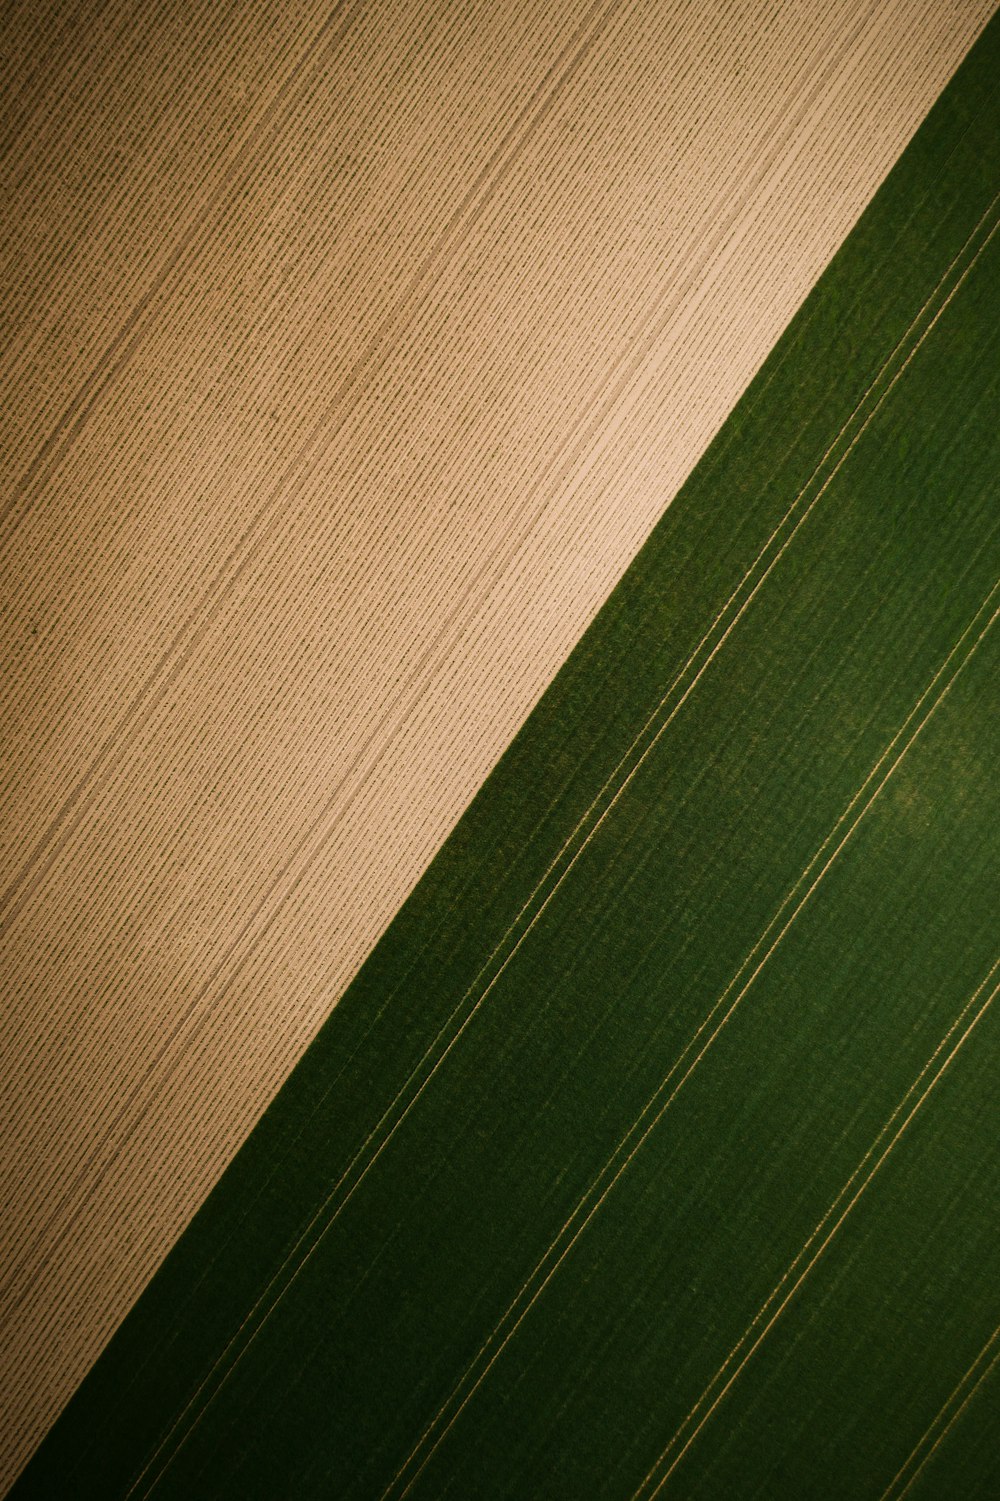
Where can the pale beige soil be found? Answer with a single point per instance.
(350, 353)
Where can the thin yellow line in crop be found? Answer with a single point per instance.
(950, 1423)
(373, 1135)
(677, 1458)
(656, 1102)
(818, 1231)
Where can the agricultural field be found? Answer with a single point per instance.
(653, 1150)
(354, 351)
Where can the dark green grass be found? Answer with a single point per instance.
(301, 1337)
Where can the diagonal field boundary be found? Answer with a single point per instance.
(88, 1170)
(383, 1132)
(656, 1107)
(659, 1103)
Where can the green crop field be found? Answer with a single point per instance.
(655, 1150)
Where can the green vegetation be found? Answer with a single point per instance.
(690, 1014)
